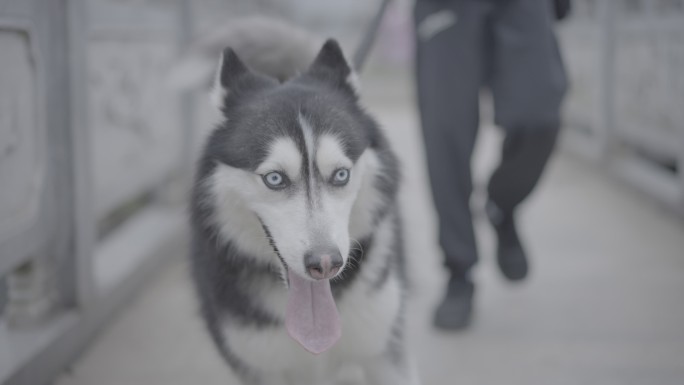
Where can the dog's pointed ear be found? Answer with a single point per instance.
(233, 78)
(332, 67)
(231, 68)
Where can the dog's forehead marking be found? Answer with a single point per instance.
(282, 155)
(309, 154)
(330, 155)
(308, 135)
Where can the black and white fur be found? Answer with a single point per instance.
(246, 235)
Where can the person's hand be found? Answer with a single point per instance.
(561, 9)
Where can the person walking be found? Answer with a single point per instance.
(509, 47)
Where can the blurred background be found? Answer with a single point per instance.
(96, 154)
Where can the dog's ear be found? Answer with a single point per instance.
(331, 66)
(233, 78)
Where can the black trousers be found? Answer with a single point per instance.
(509, 47)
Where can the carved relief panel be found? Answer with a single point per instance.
(22, 135)
(134, 116)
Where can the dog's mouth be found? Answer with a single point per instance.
(311, 316)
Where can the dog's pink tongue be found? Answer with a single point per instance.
(311, 317)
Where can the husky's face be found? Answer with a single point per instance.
(291, 160)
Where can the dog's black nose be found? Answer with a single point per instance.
(323, 264)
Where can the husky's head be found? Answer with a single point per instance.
(292, 161)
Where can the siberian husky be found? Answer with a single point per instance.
(297, 248)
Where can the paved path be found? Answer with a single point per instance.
(604, 305)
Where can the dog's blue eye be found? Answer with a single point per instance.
(341, 177)
(275, 180)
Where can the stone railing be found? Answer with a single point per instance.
(626, 60)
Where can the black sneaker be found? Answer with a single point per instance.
(510, 253)
(454, 312)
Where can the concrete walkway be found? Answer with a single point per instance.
(604, 304)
